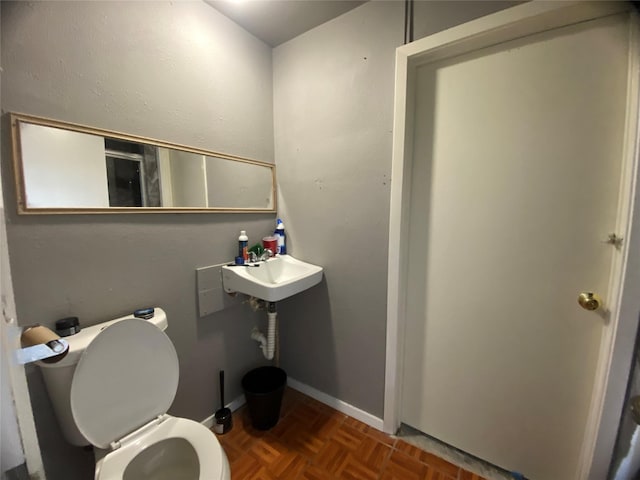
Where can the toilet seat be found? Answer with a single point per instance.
(212, 459)
(124, 383)
(126, 377)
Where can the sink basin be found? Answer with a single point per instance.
(271, 280)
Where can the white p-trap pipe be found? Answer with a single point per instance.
(268, 343)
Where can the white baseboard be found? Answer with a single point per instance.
(332, 402)
(233, 406)
(337, 404)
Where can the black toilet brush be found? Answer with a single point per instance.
(223, 421)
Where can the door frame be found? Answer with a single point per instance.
(23, 443)
(616, 349)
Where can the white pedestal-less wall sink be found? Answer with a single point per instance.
(272, 280)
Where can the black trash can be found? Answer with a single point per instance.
(263, 387)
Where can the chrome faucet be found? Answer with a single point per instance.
(254, 258)
(267, 254)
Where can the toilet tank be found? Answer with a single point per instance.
(58, 376)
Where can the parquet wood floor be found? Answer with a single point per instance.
(315, 442)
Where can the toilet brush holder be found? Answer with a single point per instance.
(223, 422)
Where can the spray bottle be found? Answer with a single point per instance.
(281, 236)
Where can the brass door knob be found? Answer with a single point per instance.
(590, 301)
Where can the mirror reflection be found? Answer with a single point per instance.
(74, 169)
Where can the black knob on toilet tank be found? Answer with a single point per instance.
(144, 313)
(67, 326)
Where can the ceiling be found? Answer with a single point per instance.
(276, 21)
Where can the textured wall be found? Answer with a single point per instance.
(333, 99)
(177, 71)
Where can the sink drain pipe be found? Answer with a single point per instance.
(268, 343)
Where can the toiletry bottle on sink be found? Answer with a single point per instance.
(282, 238)
(243, 242)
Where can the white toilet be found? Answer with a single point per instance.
(113, 389)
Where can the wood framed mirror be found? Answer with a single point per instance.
(66, 168)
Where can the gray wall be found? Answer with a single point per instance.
(333, 99)
(177, 71)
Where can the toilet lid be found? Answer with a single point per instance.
(127, 376)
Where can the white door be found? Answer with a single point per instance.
(514, 187)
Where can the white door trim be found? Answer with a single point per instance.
(616, 351)
(17, 390)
